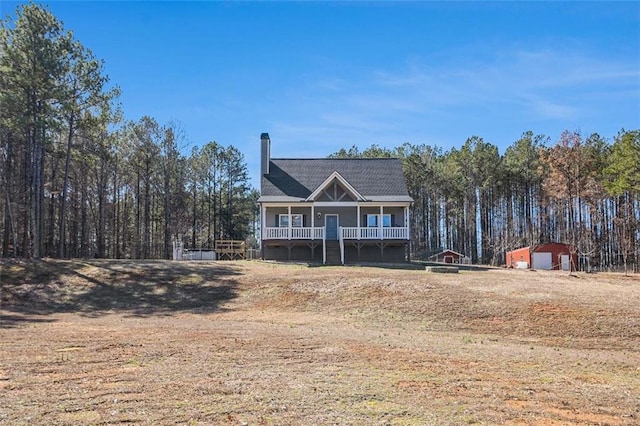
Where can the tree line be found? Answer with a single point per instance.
(78, 181)
(584, 192)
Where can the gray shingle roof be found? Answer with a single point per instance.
(377, 179)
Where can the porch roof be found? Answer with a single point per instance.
(295, 200)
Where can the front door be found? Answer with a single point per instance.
(331, 226)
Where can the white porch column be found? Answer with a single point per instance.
(406, 220)
(263, 223)
(289, 223)
(380, 222)
(313, 219)
(358, 221)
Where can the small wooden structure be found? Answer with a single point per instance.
(231, 249)
(450, 256)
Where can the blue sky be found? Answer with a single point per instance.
(320, 76)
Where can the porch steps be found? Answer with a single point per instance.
(333, 252)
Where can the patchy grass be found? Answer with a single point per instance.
(152, 342)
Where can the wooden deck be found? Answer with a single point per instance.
(231, 250)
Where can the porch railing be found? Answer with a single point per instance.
(348, 233)
(395, 233)
(355, 233)
(306, 233)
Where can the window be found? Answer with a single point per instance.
(296, 221)
(372, 220)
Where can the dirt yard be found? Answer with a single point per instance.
(120, 342)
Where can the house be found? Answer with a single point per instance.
(333, 210)
(450, 256)
(543, 256)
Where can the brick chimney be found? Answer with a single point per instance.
(265, 158)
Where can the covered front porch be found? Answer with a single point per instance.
(336, 232)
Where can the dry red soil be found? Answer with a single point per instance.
(122, 342)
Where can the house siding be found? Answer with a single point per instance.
(348, 216)
(274, 212)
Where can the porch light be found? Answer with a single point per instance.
(318, 215)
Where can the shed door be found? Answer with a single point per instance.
(564, 261)
(541, 261)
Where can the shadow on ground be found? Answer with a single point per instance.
(96, 287)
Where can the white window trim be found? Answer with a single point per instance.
(385, 217)
(297, 217)
(297, 220)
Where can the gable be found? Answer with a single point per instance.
(334, 192)
(335, 188)
(447, 252)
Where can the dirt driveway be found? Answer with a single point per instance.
(122, 342)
